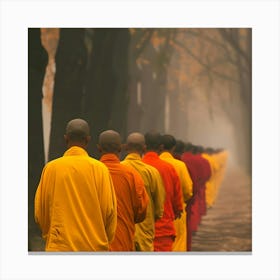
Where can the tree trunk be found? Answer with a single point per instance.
(242, 120)
(243, 139)
(68, 87)
(240, 116)
(135, 108)
(245, 80)
(106, 99)
(37, 62)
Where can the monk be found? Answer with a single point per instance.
(132, 198)
(220, 156)
(145, 231)
(75, 203)
(205, 175)
(168, 147)
(210, 190)
(173, 206)
(199, 173)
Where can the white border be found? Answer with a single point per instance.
(17, 16)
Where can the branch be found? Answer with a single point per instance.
(227, 35)
(217, 43)
(196, 58)
(148, 33)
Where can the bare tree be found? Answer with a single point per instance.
(224, 56)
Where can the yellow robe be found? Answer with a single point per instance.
(210, 191)
(218, 162)
(180, 243)
(145, 231)
(75, 203)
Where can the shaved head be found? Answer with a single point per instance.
(77, 131)
(168, 142)
(153, 140)
(135, 138)
(109, 141)
(135, 142)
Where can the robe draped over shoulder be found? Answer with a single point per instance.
(145, 231)
(75, 203)
(132, 201)
(180, 243)
(173, 200)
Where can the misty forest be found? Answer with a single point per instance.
(193, 83)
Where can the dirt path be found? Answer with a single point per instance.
(227, 226)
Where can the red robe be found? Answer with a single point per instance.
(200, 172)
(164, 227)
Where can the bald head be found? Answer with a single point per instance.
(153, 141)
(109, 142)
(135, 142)
(77, 132)
(168, 142)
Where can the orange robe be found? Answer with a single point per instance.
(132, 201)
(75, 203)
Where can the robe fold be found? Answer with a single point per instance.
(132, 201)
(145, 231)
(210, 191)
(173, 205)
(180, 243)
(75, 203)
(200, 173)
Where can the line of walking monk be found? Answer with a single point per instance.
(152, 200)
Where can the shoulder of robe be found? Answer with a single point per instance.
(97, 163)
(53, 163)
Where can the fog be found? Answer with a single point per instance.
(193, 83)
(195, 86)
(202, 128)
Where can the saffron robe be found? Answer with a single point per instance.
(132, 201)
(211, 191)
(180, 243)
(145, 231)
(75, 203)
(173, 205)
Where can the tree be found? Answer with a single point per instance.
(221, 60)
(69, 85)
(37, 62)
(150, 56)
(106, 98)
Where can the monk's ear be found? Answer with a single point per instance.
(144, 148)
(66, 138)
(120, 148)
(99, 148)
(124, 147)
(160, 148)
(88, 138)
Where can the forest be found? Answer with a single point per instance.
(194, 83)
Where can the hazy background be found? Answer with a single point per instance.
(194, 83)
